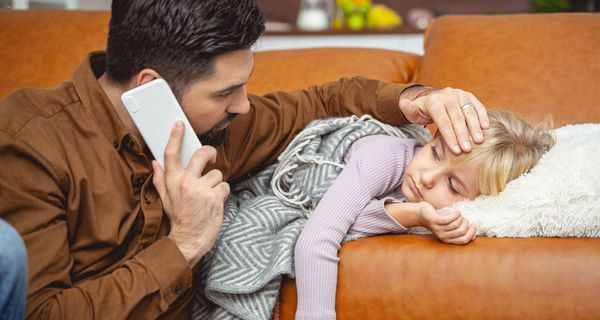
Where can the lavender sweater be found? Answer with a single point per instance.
(374, 169)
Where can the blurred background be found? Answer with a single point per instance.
(387, 24)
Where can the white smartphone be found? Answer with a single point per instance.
(154, 110)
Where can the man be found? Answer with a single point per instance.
(109, 233)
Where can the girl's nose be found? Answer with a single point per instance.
(429, 177)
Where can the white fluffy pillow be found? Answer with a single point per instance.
(559, 197)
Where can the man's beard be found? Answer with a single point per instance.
(215, 137)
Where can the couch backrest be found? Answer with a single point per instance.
(534, 64)
(531, 63)
(42, 48)
(288, 70)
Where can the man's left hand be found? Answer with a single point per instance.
(458, 114)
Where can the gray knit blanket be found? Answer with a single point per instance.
(241, 276)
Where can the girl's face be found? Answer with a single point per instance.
(433, 176)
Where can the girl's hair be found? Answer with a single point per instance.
(511, 148)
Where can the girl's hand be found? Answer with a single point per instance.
(449, 228)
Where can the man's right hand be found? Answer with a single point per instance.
(192, 201)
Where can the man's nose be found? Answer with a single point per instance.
(241, 105)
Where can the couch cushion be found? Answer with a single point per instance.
(532, 64)
(42, 48)
(285, 70)
(417, 277)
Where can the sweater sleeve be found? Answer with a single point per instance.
(374, 219)
(375, 167)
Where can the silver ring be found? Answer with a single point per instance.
(466, 106)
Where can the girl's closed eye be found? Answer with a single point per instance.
(435, 154)
(451, 187)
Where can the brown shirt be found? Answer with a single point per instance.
(77, 186)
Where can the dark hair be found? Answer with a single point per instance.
(177, 38)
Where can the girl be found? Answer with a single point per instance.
(390, 184)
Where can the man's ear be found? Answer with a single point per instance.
(145, 76)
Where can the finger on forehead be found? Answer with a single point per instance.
(481, 112)
(472, 120)
(446, 129)
(459, 125)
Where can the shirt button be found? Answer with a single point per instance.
(139, 182)
(178, 289)
(129, 142)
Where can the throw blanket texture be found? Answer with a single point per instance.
(241, 276)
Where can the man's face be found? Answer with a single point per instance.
(434, 176)
(212, 102)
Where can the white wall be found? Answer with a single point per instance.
(404, 42)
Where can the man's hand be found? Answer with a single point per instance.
(193, 202)
(451, 228)
(457, 114)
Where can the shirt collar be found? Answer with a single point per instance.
(94, 99)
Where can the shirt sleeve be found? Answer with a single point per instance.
(375, 167)
(254, 140)
(33, 202)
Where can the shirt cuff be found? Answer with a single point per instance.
(386, 216)
(388, 102)
(169, 267)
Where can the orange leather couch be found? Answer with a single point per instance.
(532, 64)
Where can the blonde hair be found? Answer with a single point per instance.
(511, 148)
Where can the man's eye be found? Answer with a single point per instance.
(224, 94)
(451, 186)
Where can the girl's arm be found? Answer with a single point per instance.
(449, 228)
(376, 166)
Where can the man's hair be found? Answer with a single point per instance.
(177, 38)
(511, 148)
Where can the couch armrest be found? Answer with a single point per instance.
(418, 277)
